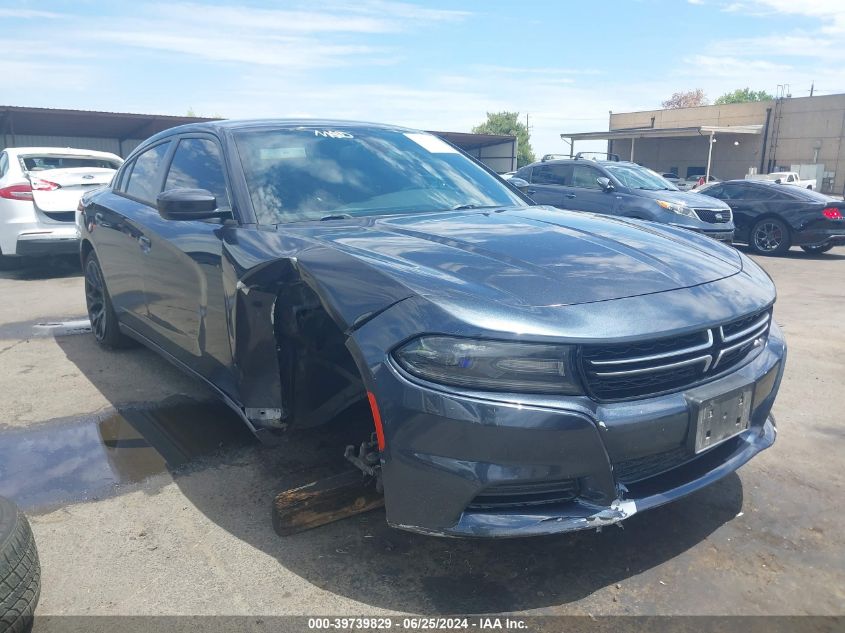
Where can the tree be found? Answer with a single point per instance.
(509, 123)
(688, 99)
(743, 95)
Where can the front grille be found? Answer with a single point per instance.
(61, 216)
(639, 468)
(714, 216)
(631, 370)
(521, 494)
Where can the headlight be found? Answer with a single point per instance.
(490, 365)
(680, 209)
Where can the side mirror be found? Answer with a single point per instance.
(778, 181)
(519, 183)
(187, 204)
(605, 184)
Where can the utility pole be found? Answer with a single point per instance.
(812, 87)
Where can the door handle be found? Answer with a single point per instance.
(530, 192)
(569, 195)
(145, 244)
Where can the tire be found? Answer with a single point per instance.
(770, 236)
(817, 250)
(104, 324)
(20, 573)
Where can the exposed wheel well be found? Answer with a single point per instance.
(319, 377)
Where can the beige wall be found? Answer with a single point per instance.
(805, 124)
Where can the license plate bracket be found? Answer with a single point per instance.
(720, 418)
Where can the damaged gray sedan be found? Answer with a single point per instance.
(529, 370)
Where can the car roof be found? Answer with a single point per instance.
(241, 124)
(753, 183)
(566, 161)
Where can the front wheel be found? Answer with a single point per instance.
(817, 250)
(103, 319)
(770, 236)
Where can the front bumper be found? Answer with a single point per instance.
(445, 449)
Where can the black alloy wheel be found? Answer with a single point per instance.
(103, 319)
(770, 236)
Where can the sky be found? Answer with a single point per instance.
(433, 65)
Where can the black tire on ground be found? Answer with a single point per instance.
(817, 250)
(20, 573)
(103, 319)
(770, 236)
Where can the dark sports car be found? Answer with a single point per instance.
(771, 217)
(529, 370)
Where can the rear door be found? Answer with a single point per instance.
(549, 182)
(183, 266)
(118, 232)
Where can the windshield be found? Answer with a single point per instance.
(635, 177)
(43, 162)
(313, 173)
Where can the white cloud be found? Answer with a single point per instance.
(29, 14)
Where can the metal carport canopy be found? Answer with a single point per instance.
(664, 132)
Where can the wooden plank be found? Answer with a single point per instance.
(324, 501)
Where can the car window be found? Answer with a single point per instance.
(524, 173)
(636, 177)
(714, 191)
(554, 174)
(584, 176)
(749, 192)
(311, 172)
(43, 162)
(4, 164)
(197, 165)
(145, 178)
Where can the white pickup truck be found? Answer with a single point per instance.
(785, 178)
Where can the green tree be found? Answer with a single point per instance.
(509, 123)
(743, 95)
(689, 99)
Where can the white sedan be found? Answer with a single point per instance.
(40, 188)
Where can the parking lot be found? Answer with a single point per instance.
(142, 489)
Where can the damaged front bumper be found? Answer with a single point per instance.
(584, 516)
(446, 452)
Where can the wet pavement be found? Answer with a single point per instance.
(98, 456)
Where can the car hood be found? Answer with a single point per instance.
(529, 256)
(689, 198)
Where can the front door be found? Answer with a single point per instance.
(184, 272)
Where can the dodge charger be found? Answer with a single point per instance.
(528, 370)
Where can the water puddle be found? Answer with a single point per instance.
(88, 458)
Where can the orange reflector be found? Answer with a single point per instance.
(376, 420)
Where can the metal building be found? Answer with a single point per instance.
(120, 133)
(803, 134)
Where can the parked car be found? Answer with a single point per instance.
(786, 178)
(771, 218)
(528, 370)
(40, 189)
(623, 189)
